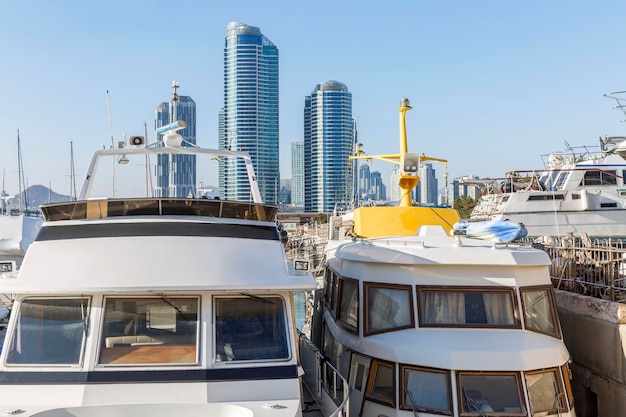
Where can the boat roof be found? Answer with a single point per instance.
(170, 253)
(432, 246)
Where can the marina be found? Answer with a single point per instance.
(102, 324)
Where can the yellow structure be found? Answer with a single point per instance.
(405, 219)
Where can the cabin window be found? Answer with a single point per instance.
(540, 310)
(425, 390)
(594, 177)
(490, 392)
(158, 330)
(250, 329)
(388, 307)
(331, 290)
(467, 307)
(49, 331)
(328, 283)
(381, 384)
(545, 389)
(348, 309)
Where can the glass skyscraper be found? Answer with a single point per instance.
(249, 120)
(328, 143)
(297, 173)
(176, 174)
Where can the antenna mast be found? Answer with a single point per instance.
(112, 144)
(72, 173)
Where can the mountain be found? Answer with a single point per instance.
(37, 195)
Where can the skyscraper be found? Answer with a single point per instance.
(176, 174)
(328, 143)
(249, 120)
(426, 189)
(297, 173)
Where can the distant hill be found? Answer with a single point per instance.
(37, 195)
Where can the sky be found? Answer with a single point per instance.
(494, 84)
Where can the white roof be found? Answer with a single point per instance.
(154, 263)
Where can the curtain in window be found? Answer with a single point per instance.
(443, 307)
(388, 308)
(498, 308)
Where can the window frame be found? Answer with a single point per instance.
(421, 289)
(285, 324)
(101, 339)
(342, 282)
(371, 379)
(10, 339)
(519, 389)
(561, 395)
(403, 389)
(553, 311)
(366, 310)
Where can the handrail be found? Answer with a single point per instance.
(326, 378)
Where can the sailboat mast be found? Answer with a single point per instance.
(19, 175)
(72, 173)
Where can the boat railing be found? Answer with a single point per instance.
(592, 267)
(323, 381)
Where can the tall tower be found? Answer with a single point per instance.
(249, 119)
(426, 189)
(328, 144)
(176, 174)
(297, 173)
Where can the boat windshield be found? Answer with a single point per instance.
(250, 328)
(488, 392)
(426, 389)
(48, 332)
(155, 330)
(545, 389)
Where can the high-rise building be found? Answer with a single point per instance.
(426, 190)
(364, 181)
(328, 144)
(249, 120)
(297, 173)
(377, 188)
(395, 192)
(176, 174)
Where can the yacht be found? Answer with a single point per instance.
(580, 192)
(422, 320)
(154, 305)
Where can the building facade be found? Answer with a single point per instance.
(426, 190)
(328, 144)
(297, 173)
(176, 174)
(249, 119)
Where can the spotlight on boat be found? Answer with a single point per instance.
(7, 266)
(300, 265)
(410, 162)
(122, 160)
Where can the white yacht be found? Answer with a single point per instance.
(428, 322)
(154, 306)
(579, 192)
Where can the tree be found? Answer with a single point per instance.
(464, 205)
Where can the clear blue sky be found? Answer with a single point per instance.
(494, 84)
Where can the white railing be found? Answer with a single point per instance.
(327, 386)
